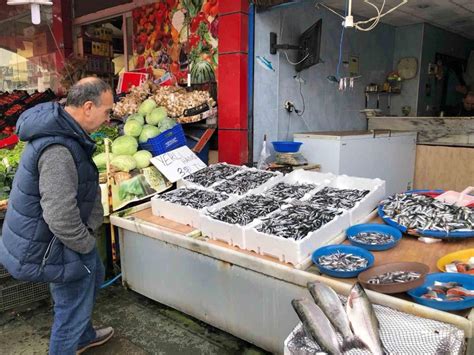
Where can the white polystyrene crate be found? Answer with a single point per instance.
(232, 234)
(305, 177)
(365, 206)
(290, 250)
(176, 212)
(185, 183)
(259, 189)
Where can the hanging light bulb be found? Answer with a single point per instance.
(35, 8)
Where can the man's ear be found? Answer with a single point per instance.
(87, 107)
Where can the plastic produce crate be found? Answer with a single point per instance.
(19, 293)
(168, 140)
(3, 273)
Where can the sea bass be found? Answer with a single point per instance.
(363, 320)
(316, 325)
(326, 298)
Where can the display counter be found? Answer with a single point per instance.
(241, 292)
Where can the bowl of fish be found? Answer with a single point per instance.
(374, 236)
(344, 261)
(461, 261)
(394, 277)
(445, 291)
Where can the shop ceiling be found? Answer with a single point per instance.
(452, 15)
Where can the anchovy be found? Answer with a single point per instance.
(285, 191)
(246, 210)
(394, 277)
(343, 261)
(338, 198)
(244, 181)
(331, 305)
(364, 322)
(194, 198)
(421, 212)
(373, 238)
(296, 221)
(316, 325)
(212, 174)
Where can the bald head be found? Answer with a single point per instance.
(90, 103)
(87, 89)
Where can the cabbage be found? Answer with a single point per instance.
(157, 115)
(142, 158)
(100, 160)
(146, 107)
(124, 163)
(148, 132)
(132, 128)
(137, 117)
(166, 124)
(124, 145)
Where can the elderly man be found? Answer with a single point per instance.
(54, 209)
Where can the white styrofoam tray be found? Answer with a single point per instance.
(232, 234)
(259, 189)
(304, 177)
(185, 183)
(176, 212)
(363, 207)
(290, 250)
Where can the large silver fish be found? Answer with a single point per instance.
(316, 325)
(364, 322)
(326, 298)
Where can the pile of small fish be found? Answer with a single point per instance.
(338, 198)
(296, 221)
(244, 181)
(194, 198)
(246, 210)
(343, 262)
(462, 267)
(285, 191)
(324, 317)
(422, 212)
(373, 238)
(447, 291)
(212, 174)
(394, 277)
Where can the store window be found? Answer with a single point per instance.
(28, 53)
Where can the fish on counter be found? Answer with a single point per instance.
(212, 174)
(364, 322)
(340, 261)
(394, 277)
(194, 198)
(316, 325)
(284, 190)
(244, 181)
(328, 300)
(338, 198)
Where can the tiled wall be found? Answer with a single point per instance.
(326, 107)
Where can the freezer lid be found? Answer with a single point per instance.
(351, 135)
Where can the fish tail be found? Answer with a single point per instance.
(353, 342)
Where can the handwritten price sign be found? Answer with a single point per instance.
(178, 163)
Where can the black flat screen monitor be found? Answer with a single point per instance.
(310, 43)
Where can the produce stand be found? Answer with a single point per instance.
(243, 293)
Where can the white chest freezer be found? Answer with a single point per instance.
(389, 156)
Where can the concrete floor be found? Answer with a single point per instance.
(142, 326)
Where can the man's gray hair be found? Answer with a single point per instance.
(87, 89)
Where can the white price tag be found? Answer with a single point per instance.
(178, 163)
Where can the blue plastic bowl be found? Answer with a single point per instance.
(286, 147)
(380, 228)
(331, 249)
(467, 281)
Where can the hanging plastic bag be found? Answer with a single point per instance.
(264, 155)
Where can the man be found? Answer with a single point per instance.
(467, 108)
(54, 209)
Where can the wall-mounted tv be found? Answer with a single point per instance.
(309, 47)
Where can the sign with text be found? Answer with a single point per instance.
(178, 163)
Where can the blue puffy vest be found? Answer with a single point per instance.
(28, 249)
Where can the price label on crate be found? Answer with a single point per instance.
(178, 163)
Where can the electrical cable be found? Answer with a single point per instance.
(301, 113)
(301, 61)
